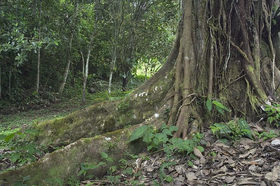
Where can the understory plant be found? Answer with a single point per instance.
(20, 150)
(232, 130)
(163, 139)
(217, 105)
(273, 114)
(267, 135)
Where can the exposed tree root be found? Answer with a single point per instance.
(59, 166)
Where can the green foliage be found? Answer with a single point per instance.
(22, 149)
(99, 25)
(114, 179)
(85, 167)
(233, 130)
(163, 139)
(267, 135)
(273, 113)
(218, 105)
(73, 181)
(163, 177)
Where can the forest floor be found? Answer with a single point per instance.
(241, 162)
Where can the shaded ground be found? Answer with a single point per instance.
(244, 162)
(12, 119)
(13, 116)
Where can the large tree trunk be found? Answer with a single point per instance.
(221, 52)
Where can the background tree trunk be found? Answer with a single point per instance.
(112, 67)
(117, 16)
(86, 75)
(10, 82)
(39, 50)
(0, 81)
(66, 72)
(38, 69)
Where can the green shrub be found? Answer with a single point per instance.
(233, 130)
(22, 150)
(163, 139)
(273, 113)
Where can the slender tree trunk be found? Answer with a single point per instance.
(10, 83)
(38, 70)
(83, 63)
(66, 72)
(86, 75)
(117, 21)
(0, 81)
(113, 63)
(39, 52)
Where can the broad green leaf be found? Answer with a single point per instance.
(220, 110)
(9, 137)
(148, 136)
(209, 105)
(138, 133)
(169, 179)
(104, 155)
(220, 105)
(200, 148)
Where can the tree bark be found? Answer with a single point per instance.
(117, 17)
(0, 81)
(83, 63)
(112, 67)
(86, 75)
(38, 70)
(10, 82)
(66, 72)
(39, 51)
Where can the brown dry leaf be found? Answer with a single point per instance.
(254, 162)
(197, 153)
(247, 181)
(222, 145)
(246, 141)
(256, 174)
(274, 174)
(252, 151)
(271, 177)
(180, 169)
(229, 179)
(257, 127)
(191, 176)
